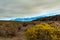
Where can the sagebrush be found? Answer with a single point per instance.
(43, 31)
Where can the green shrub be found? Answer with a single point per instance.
(43, 31)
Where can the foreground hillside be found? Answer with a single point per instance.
(11, 30)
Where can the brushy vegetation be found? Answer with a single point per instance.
(43, 31)
(8, 30)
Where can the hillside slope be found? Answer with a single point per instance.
(54, 21)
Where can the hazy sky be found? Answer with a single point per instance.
(27, 8)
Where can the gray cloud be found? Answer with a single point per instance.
(27, 8)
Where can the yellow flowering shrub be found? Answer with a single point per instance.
(43, 31)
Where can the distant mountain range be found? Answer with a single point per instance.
(50, 18)
(43, 15)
